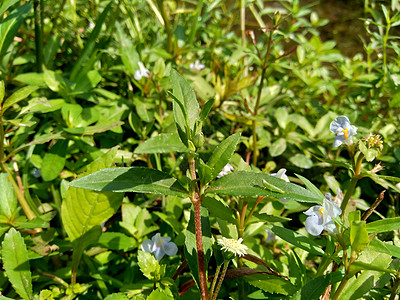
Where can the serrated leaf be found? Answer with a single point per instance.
(149, 266)
(134, 179)
(16, 263)
(162, 143)
(190, 243)
(184, 92)
(54, 160)
(223, 153)
(297, 240)
(218, 209)
(90, 130)
(8, 199)
(19, 95)
(271, 284)
(251, 184)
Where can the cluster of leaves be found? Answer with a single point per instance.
(261, 98)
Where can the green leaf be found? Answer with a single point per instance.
(206, 109)
(219, 209)
(384, 247)
(359, 238)
(277, 147)
(186, 96)
(251, 184)
(116, 296)
(19, 95)
(83, 211)
(137, 221)
(223, 153)
(190, 243)
(314, 288)
(310, 186)
(384, 225)
(116, 241)
(16, 263)
(54, 160)
(301, 161)
(297, 240)
(5, 4)
(158, 295)
(127, 51)
(162, 143)
(149, 266)
(8, 199)
(10, 25)
(134, 179)
(2, 91)
(271, 284)
(270, 218)
(90, 130)
(90, 44)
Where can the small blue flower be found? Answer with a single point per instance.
(320, 217)
(142, 72)
(197, 65)
(344, 131)
(159, 246)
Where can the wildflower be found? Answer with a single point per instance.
(142, 72)
(271, 237)
(234, 246)
(320, 217)
(197, 65)
(159, 246)
(227, 169)
(281, 175)
(344, 131)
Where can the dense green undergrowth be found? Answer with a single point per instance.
(197, 149)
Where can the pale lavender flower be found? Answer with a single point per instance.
(159, 246)
(320, 217)
(197, 65)
(141, 72)
(344, 131)
(226, 170)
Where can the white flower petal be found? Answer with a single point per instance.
(312, 225)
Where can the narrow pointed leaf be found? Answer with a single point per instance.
(162, 143)
(8, 199)
(251, 184)
(184, 92)
(16, 263)
(19, 95)
(384, 225)
(223, 153)
(134, 179)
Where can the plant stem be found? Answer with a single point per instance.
(260, 88)
(167, 25)
(395, 287)
(243, 32)
(38, 11)
(220, 280)
(196, 200)
(214, 281)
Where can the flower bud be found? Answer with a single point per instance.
(198, 140)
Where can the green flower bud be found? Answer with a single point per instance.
(198, 140)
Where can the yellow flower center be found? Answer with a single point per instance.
(346, 133)
(321, 210)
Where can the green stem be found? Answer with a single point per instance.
(258, 101)
(195, 22)
(384, 46)
(243, 32)
(38, 11)
(353, 182)
(214, 281)
(395, 287)
(220, 280)
(167, 25)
